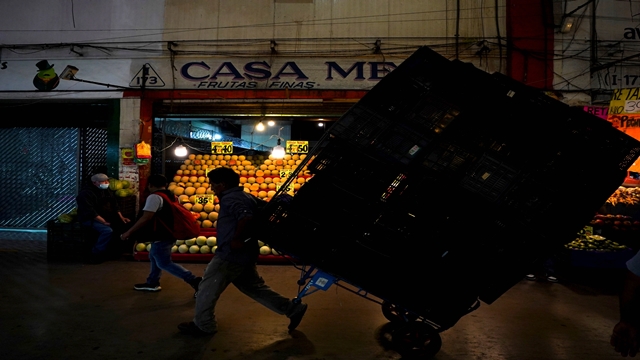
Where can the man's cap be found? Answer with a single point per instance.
(99, 177)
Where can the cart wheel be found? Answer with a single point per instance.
(395, 313)
(417, 340)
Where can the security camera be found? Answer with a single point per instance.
(69, 73)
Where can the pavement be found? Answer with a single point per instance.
(72, 310)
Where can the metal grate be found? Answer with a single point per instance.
(40, 172)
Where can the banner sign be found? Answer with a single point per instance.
(624, 114)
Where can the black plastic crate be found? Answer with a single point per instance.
(415, 189)
(128, 206)
(68, 241)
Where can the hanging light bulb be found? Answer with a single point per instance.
(181, 150)
(278, 151)
(271, 123)
(260, 126)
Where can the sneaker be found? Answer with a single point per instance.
(552, 279)
(147, 287)
(530, 277)
(192, 329)
(195, 283)
(95, 259)
(296, 317)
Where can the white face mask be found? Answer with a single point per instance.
(104, 186)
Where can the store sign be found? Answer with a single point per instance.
(204, 199)
(624, 114)
(599, 111)
(127, 156)
(297, 147)
(222, 147)
(312, 73)
(208, 73)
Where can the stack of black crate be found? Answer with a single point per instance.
(443, 183)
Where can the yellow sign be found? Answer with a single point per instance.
(222, 147)
(297, 147)
(624, 115)
(284, 175)
(204, 199)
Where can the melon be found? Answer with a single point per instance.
(122, 193)
(179, 242)
(141, 247)
(197, 207)
(213, 216)
(115, 184)
(125, 184)
(194, 249)
(190, 242)
(201, 240)
(265, 250)
(183, 249)
(212, 241)
(149, 247)
(174, 248)
(65, 218)
(205, 249)
(207, 223)
(275, 252)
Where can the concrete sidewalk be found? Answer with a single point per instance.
(78, 311)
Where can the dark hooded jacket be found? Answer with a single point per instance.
(93, 201)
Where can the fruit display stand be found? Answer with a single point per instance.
(595, 251)
(260, 175)
(619, 218)
(264, 258)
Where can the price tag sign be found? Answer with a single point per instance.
(222, 147)
(297, 147)
(289, 188)
(204, 199)
(284, 174)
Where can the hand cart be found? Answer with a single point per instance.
(413, 336)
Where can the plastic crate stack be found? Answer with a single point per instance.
(442, 171)
(68, 241)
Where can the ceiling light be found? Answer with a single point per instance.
(278, 151)
(260, 126)
(271, 123)
(181, 150)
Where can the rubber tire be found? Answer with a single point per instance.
(416, 340)
(394, 313)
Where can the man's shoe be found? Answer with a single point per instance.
(530, 277)
(95, 259)
(147, 287)
(296, 317)
(552, 279)
(192, 329)
(195, 283)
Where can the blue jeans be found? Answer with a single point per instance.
(104, 235)
(160, 258)
(218, 275)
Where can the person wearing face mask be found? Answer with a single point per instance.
(98, 209)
